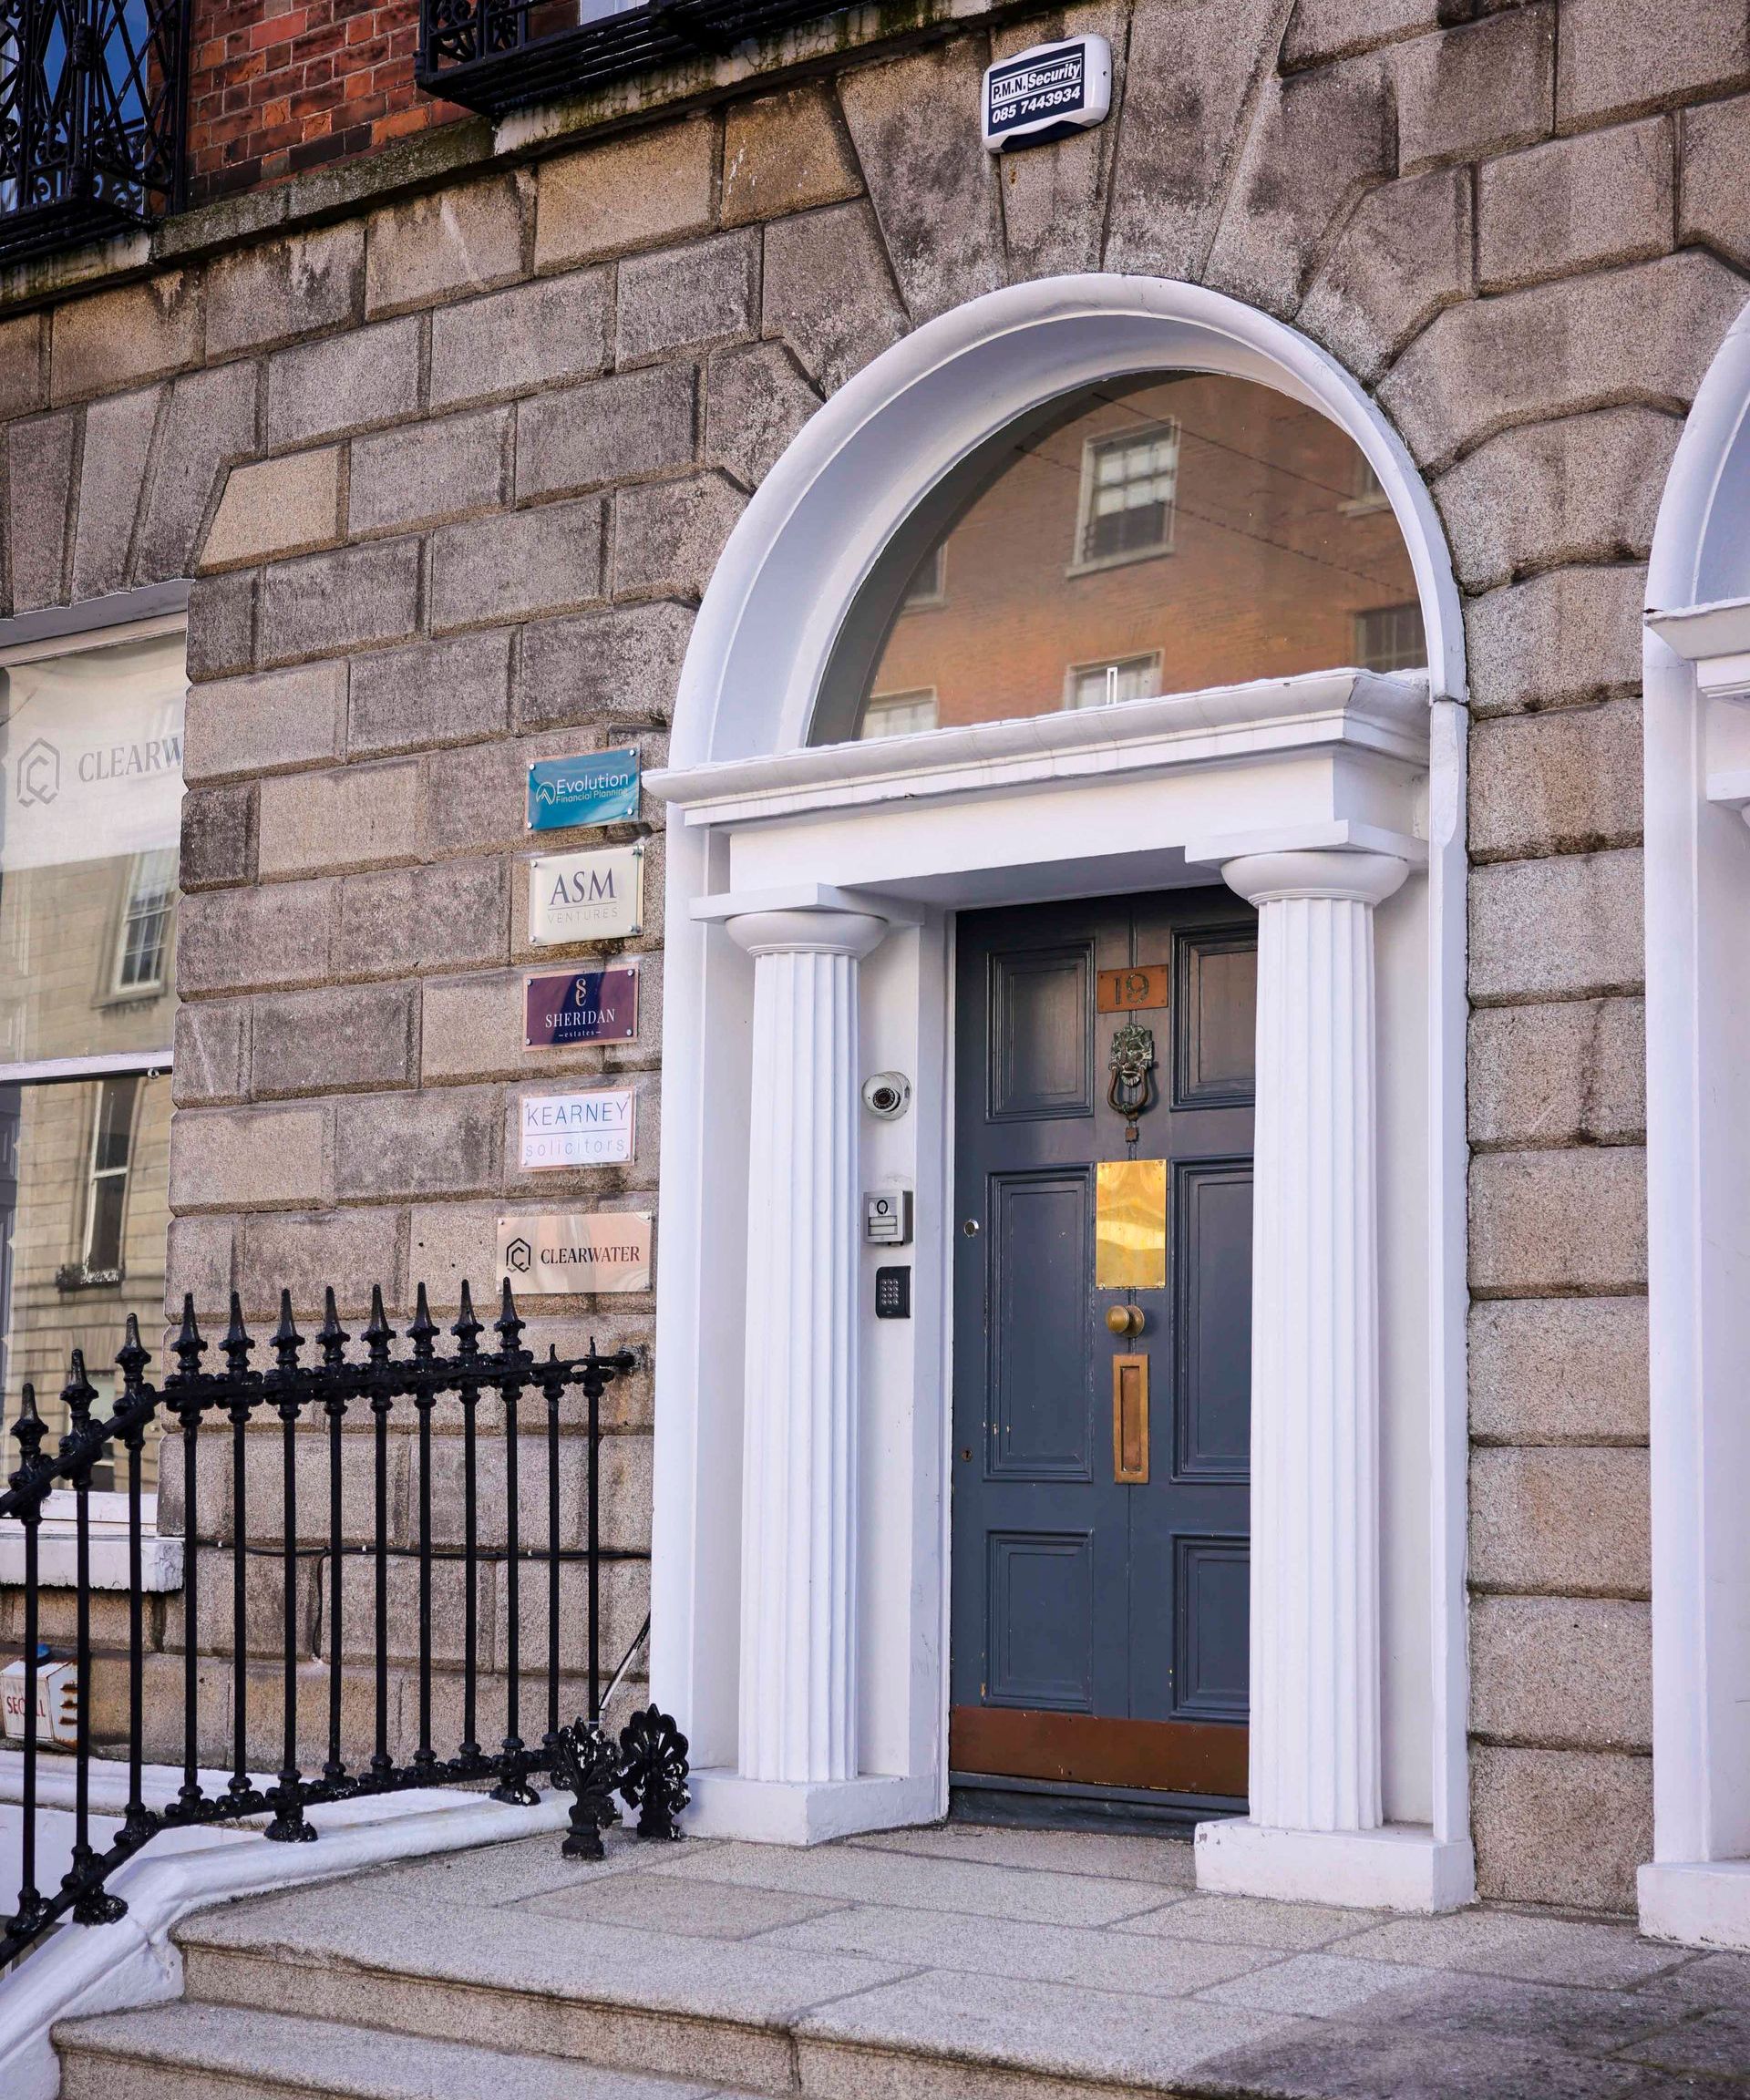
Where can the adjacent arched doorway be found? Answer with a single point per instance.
(849, 802)
(1698, 781)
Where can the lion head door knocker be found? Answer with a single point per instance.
(1131, 1090)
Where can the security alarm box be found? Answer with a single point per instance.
(887, 1217)
(1051, 91)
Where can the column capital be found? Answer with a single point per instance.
(1341, 875)
(807, 932)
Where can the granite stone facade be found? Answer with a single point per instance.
(448, 443)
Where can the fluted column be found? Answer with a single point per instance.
(798, 1532)
(1315, 1639)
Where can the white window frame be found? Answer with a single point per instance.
(937, 595)
(911, 694)
(1076, 671)
(65, 630)
(146, 987)
(1365, 613)
(94, 1174)
(1084, 564)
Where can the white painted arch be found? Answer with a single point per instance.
(1697, 752)
(760, 647)
(809, 536)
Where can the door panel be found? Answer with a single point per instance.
(1041, 1624)
(1217, 1043)
(1213, 1592)
(1042, 1059)
(1042, 1367)
(1098, 1624)
(1212, 1236)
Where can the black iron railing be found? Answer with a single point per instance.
(92, 100)
(212, 1415)
(495, 54)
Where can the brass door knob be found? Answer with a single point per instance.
(1125, 1319)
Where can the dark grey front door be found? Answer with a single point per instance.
(1098, 1629)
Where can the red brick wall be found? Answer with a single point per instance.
(279, 86)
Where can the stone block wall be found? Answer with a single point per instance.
(452, 464)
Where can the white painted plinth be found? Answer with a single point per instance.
(1702, 1902)
(1397, 1867)
(774, 1812)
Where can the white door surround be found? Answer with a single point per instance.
(800, 1555)
(1697, 784)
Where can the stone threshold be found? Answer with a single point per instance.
(953, 1963)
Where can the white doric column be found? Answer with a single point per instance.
(1315, 1639)
(798, 1534)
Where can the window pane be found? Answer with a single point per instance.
(899, 714)
(90, 809)
(79, 1249)
(1208, 526)
(1390, 638)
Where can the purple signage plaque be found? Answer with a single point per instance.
(582, 1007)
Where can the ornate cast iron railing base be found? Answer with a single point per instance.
(293, 1410)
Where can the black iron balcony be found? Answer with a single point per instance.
(92, 101)
(496, 55)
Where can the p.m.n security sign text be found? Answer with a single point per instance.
(1047, 92)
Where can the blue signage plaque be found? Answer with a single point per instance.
(596, 787)
(582, 1007)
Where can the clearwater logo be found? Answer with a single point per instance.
(520, 1256)
(39, 775)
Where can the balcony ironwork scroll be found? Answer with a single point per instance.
(497, 55)
(315, 1415)
(93, 102)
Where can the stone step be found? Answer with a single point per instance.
(748, 2015)
(202, 2052)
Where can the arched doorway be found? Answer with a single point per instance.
(1697, 747)
(823, 867)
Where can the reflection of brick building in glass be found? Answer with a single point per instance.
(87, 978)
(1175, 534)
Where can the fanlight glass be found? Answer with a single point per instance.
(1149, 535)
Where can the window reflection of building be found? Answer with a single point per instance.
(1390, 638)
(1105, 684)
(1208, 528)
(146, 921)
(1126, 506)
(897, 714)
(928, 584)
(90, 795)
(112, 1136)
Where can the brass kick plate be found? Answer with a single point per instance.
(1130, 1225)
(1130, 1419)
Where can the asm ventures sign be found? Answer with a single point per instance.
(596, 896)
